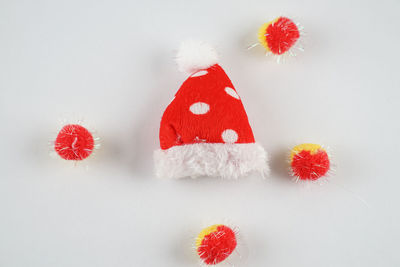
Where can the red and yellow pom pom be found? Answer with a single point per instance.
(74, 142)
(215, 243)
(309, 162)
(279, 35)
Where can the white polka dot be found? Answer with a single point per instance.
(199, 73)
(231, 92)
(199, 108)
(229, 136)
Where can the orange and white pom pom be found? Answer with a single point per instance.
(309, 162)
(280, 37)
(75, 142)
(216, 243)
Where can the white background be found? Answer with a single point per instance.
(111, 63)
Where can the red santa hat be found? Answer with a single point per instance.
(205, 130)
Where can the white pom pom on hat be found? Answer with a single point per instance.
(195, 55)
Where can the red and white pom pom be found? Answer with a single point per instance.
(280, 37)
(75, 142)
(309, 162)
(195, 55)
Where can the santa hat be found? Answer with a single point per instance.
(205, 131)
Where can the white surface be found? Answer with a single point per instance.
(111, 63)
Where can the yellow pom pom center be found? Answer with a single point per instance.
(313, 148)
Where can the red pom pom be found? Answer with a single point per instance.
(74, 142)
(309, 162)
(216, 243)
(281, 35)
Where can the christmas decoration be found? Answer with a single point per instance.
(279, 37)
(74, 142)
(309, 162)
(205, 131)
(215, 243)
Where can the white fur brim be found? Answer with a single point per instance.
(204, 159)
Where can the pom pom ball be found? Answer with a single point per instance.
(74, 142)
(309, 162)
(195, 55)
(215, 243)
(279, 35)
